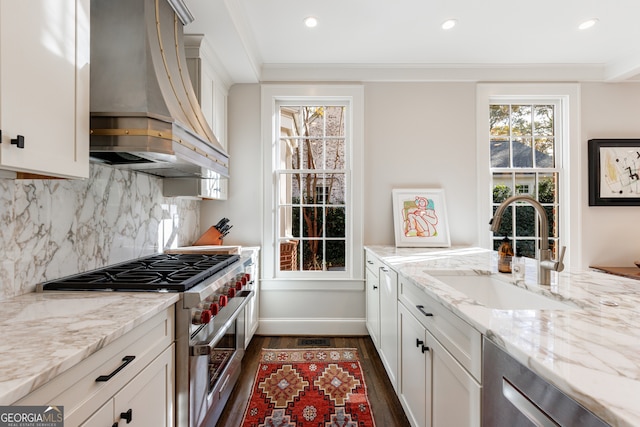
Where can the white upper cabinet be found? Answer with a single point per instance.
(211, 89)
(44, 87)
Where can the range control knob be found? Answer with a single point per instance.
(231, 292)
(247, 276)
(213, 307)
(223, 301)
(201, 317)
(239, 285)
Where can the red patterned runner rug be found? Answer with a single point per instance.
(319, 387)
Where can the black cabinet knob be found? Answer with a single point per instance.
(127, 416)
(19, 141)
(419, 342)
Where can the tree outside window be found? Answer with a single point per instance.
(312, 183)
(523, 161)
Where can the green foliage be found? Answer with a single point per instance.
(526, 216)
(335, 227)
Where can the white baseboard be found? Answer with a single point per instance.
(333, 327)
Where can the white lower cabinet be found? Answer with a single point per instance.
(415, 374)
(455, 398)
(103, 417)
(252, 310)
(142, 402)
(128, 382)
(436, 389)
(372, 295)
(381, 295)
(389, 322)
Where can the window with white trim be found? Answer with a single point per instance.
(526, 158)
(311, 181)
(308, 173)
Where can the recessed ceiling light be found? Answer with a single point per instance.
(588, 23)
(310, 21)
(449, 24)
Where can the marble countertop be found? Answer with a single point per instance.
(44, 334)
(591, 352)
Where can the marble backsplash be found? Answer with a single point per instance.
(54, 228)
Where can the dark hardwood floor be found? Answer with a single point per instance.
(385, 405)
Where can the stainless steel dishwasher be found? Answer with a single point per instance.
(513, 395)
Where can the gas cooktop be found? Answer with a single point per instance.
(156, 273)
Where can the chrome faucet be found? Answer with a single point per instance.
(545, 263)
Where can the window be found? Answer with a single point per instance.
(313, 172)
(322, 194)
(524, 147)
(311, 179)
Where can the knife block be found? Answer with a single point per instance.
(210, 237)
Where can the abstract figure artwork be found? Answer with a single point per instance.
(420, 218)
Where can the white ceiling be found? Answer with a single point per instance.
(262, 40)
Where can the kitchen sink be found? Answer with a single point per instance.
(497, 293)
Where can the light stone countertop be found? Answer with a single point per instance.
(44, 334)
(591, 353)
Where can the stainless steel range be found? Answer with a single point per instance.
(210, 320)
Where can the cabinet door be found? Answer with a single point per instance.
(456, 395)
(149, 396)
(44, 86)
(373, 306)
(415, 369)
(252, 308)
(102, 417)
(389, 321)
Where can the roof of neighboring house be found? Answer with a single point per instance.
(522, 156)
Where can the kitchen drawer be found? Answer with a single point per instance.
(457, 336)
(373, 263)
(77, 389)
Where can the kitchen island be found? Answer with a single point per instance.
(590, 352)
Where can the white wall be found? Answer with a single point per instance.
(244, 204)
(420, 135)
(610, 235)
(416, 135)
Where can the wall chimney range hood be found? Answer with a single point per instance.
(144, 112)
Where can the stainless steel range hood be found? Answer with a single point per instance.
(144, 113)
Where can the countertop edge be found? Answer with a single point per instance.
(13, 390)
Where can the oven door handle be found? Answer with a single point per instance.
(206, 348)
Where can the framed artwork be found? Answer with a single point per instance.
(614, 172)
(420, 218)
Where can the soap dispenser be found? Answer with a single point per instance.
(505, 254)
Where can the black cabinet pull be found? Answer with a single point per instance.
(125, 361)
(421, 308)
(425, 349)
(127, 416)
(19, 141)
(419, 342)
(375, 287)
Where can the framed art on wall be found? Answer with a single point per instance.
(420, 218)
(614, 172)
